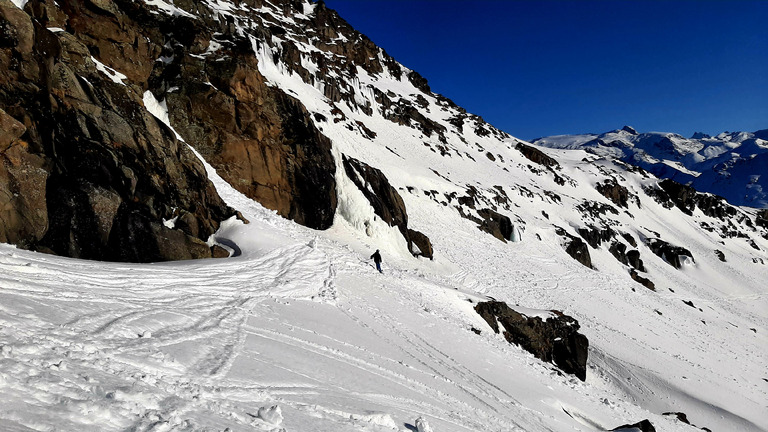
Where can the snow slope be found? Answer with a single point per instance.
(298, 332)
(302, 321)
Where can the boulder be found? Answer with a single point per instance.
(619, 251)
(219, 252)
(575, 247)
(496, 224)
(671, 254)
(641, 426)
(642, 281)
(420, 244)
(554, 340)
(579, 251)
(633, 259)
(720, 255)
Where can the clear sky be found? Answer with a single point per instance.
(538, 68)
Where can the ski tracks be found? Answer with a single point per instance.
(136, 347)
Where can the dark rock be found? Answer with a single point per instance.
(419, 82)
(689, 303)
(555, 340)
(619, 251)
(386, 202)
(219, 252)
(629, 239)
(85, 170)
(761, 219)
(241, 218)
(595, 209)
(576, 248)
(537, 156)
(260, 140)
(402, 112)
(669, 253)
(642, 426)
(687, 199)
(633, 259)
(596, 236)
(629, 129)
(678, 415)
(496, 224)
(642, 281)
(615, 192)
(420, 244)
(720, 255)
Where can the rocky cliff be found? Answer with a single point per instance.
(86, 171)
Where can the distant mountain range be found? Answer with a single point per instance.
(733, 165)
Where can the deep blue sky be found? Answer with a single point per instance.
(537, 68)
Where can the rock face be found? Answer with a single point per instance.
(642, 426)
(642, 281)
(687, 199)
(596, 236)
(615, 192)
(761, 218)
(86, 170)
(670, 253)
(576, 248)
(555, 340)
(537, 156)
(495, 224)
(259, 139)
(386, 203)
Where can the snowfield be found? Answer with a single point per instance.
(301, 321)
(298, 332)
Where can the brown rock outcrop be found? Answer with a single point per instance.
(495, 224)
(575, 247)
(668, 252)
(555, 339)
(615, 192)
(537, 156)
(86, 171)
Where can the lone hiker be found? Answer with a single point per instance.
(376, 257)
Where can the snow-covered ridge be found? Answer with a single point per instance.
(731, 164)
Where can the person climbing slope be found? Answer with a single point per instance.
(376, 257)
